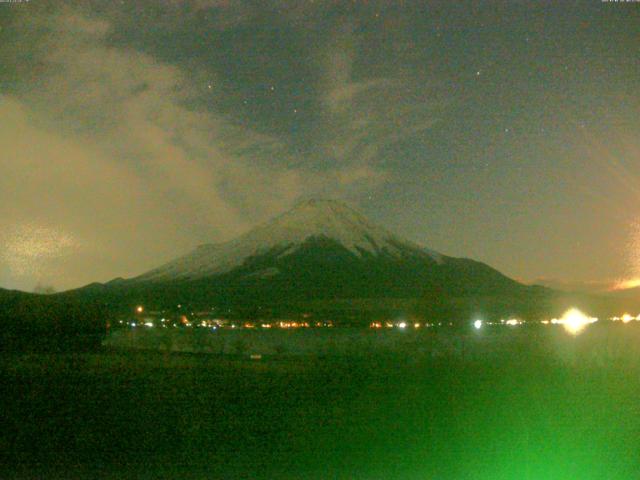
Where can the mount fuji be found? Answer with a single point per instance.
(321, 252)
(308, 224)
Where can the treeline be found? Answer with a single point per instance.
(36, 323)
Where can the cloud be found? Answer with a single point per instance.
(353, 175)
(100, 152)
(109, 169)
(26, 246)
(69, 214)
(130, 108)
(365, 114)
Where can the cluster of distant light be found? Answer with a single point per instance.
(626, 318)
(478, 324)
(403, 325)
(184, 322)
(214, 325)
(573, 320)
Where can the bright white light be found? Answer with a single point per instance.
(148, 324)
(478, 324)
(626, 318)
(512, 322)
(402, 325)
(574, 321)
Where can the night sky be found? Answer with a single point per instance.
(507, 132)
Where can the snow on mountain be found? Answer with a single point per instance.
(313, 218)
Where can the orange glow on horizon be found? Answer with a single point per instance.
(626, 284)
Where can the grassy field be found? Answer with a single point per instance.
(154, 415)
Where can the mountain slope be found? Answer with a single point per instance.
(320, 251)
(311, 219)
(34, 322)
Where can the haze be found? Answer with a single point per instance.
(134, 131)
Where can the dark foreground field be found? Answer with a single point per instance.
(157, 416)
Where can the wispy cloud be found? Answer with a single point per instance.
(104, 147)
(366, 114)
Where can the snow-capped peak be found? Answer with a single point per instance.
(327, 218)
(312, 218)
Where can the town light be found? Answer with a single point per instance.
(574, 321)
(477, 324)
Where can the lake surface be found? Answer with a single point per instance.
(598, 344)
(516, 405)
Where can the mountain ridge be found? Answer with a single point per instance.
(320, 256)
(312, 218)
